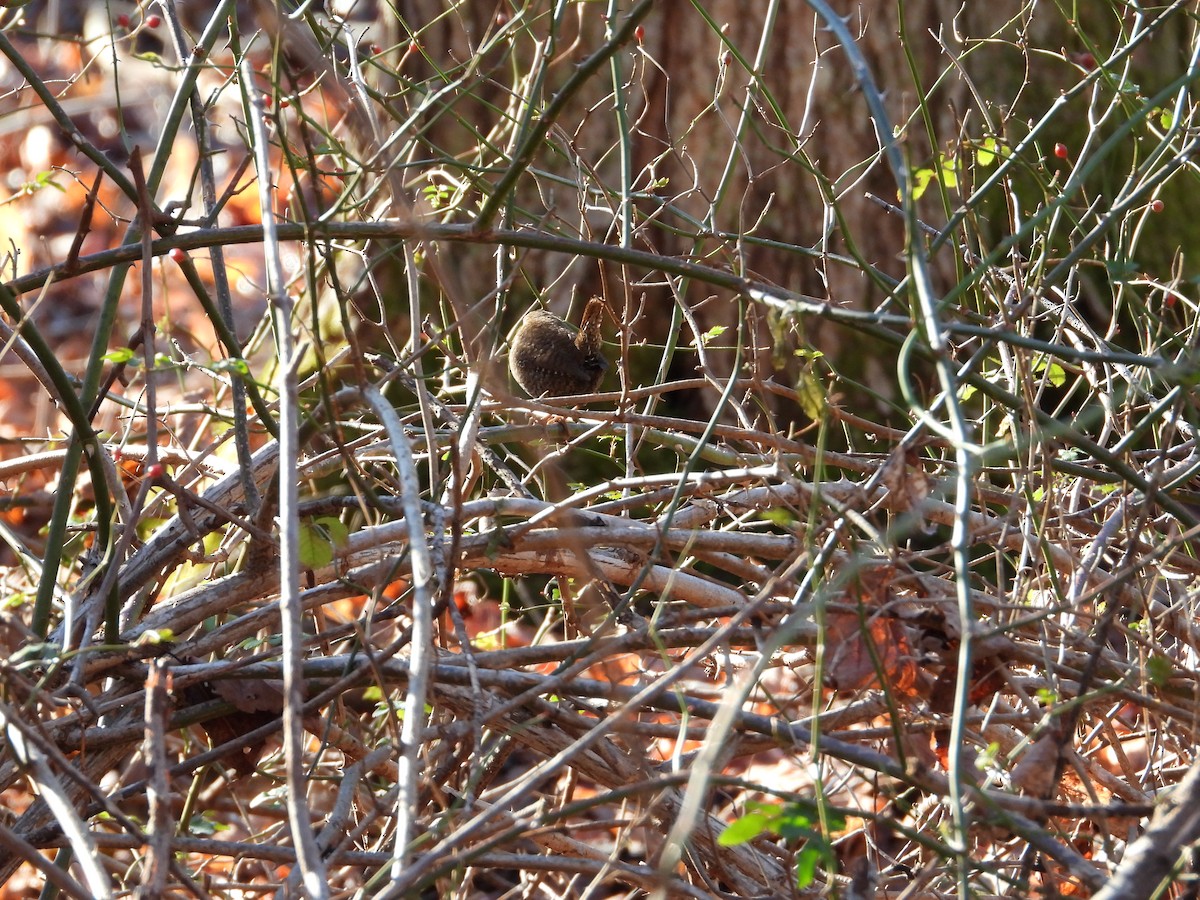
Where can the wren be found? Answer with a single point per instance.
(550, 358)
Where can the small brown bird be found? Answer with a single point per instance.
(550, 358)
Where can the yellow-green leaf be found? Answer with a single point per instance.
(317, 541)
(1158, 669)
(810, 394)
(921, 179)
(745, 829)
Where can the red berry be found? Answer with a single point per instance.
(1084, 60)
(640, 33)
(177, 255)
(376, 49)
(1156, 205)
(123, 20)
(153, 21)
(1060, 150)
(154, 471)
(502, 17)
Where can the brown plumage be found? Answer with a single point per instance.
(550, 358)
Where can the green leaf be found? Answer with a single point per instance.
(338, 533)
(1055, 373)
(990, 148)
(1121, 269)
(1046, 696)
(806, 865)
(202, 824)
(438, 195)
(118, 356)
(46, 179)
(14, 601)
(949, 173)
(747, 828)
(810, 394)
(989, 758)
(985, 153)
(314, 551)
(944, 168)
(921, 179)
(794, 825)
(778, 516)
(802, 819)
(154, 636)
(235, 365)
(318, 540)
(1158, 669)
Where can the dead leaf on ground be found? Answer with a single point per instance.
(870, 648)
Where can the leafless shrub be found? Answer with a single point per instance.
(868, 569)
